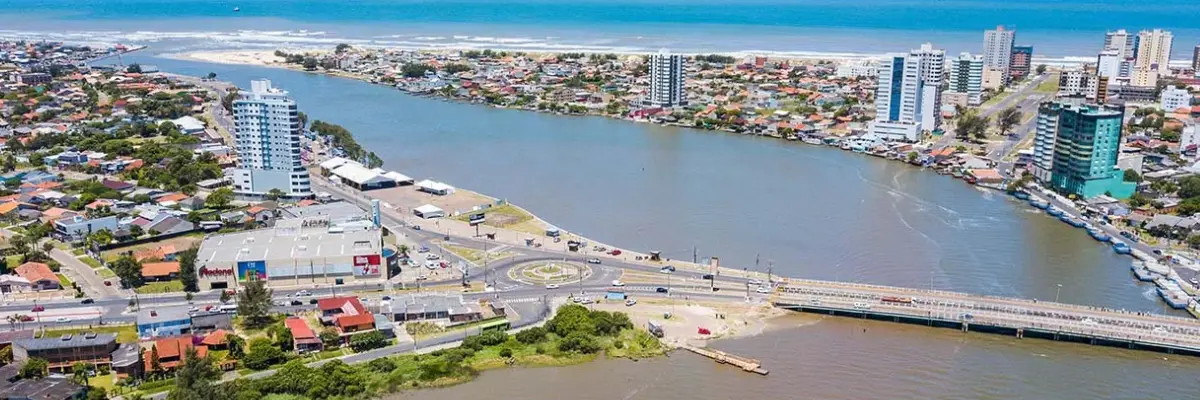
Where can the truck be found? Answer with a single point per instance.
(654, 328)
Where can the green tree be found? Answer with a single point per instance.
(1189, 186)
(187, 269)
(80, 372)
(571, 318)
(367, 341)
(1132, 176)
(1041, 69)
(310, 63)
(254, 304)
(34, 368)
(227, 101)
(579, 342)
(532, 335)
(134, 68)
(6, 355)
(219, 199)
(283, 337)
(263, 354)
(275, 194)
(330, 339)
(341, 48)
(1007, 119)
(195, 379)
(129, 269)
(237, 346)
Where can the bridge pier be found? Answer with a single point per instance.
(1020, 333)
(966, 326)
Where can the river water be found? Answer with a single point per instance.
(812, 212)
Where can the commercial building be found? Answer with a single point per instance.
(354, 174)
(1021, 64)
(909, 99)
(267, 136)
(666, 80)
(295, 251)
(966, 78)
(1078, 146)
(1173, 98)
(1121, 41)
(998, 49)
(63, 351)
(1154, 49)
(163, 321)
(425, 307)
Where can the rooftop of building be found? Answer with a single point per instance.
(335, 212)
(54, 387)
(160, 314)
(430, 303)
(67, 341)
(288, 243)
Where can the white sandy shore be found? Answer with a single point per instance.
(240, 57)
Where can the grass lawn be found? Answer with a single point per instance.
(1050, 85)
(998, 98)
(475, 256)
(106, 273)
(160, 287)
(125, 333)
(13, 262)
(500, 216)
(103, 381)
(91, 262)
(78, 252)
(64, 281)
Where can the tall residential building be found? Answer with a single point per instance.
(1144, 77)
(966, 79)
(1078, 83)
(666, 80)
(1021, 62)
(1108, 64)
(1121, 41)
(1154, 49)
(1173, 98)
(267, 135)
(908, 99)
(998, 49)
(1076, 148)
(1196, 60)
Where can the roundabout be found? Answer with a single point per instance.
(549, 272)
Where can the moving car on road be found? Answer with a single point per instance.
(614, 252)
(552, 286)
(618, 283)
(661, 290)
(763, 290)
(87, 301)
(630, 302)
(593, 260)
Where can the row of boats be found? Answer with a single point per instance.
(1096, 233)
(1176, 292)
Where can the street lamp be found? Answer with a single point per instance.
(1056, 292)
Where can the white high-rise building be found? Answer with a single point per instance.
(997, 50)
(966, 77)
(1108, 64)
(666, 80)
(1121, 41)
(909, 99)
(1154, 49)
(267, 136)
(1173, 98)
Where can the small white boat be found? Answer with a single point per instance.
(236, 9)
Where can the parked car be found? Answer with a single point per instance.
(38, 308)
(423, 249)
(763, 290)
(661, 290)
(862, 306)
(630, 302)
(416, 227)
(107, 283)
(432, 256)
(87, 301)
(312, 301)
(593, 260)
(386, 298)
(618, 283)
(614, 252)
(62, 320)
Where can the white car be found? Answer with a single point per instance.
(593, 260)
(432, 256)
(62, 319)
(630, 302)
(431, 264)
(303, 293)
(755, 282)
(618, 283)
(763, 290)
(552, 286)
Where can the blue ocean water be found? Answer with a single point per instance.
(1056, 28)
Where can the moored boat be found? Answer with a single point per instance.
(1145, 275)
(1054, 212)
(1038, 204)
(1122, 248)
(1099, 235)
(1021, 195)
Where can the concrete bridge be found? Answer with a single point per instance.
(1010, 316)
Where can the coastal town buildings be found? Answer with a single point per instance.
(1076, 148)
(1021, 64)
(1078, 82)
(908, 98)
(267, 135)
(1173, 98)
(1108, 65)
(1154, 49)
(1120, 41)
(997, 52)
(666, 80)
(966, 81)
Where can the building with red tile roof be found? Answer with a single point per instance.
(160, 271)
(171, 352)
(303, 338)
(39, 275)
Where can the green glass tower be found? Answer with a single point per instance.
(1086, 140)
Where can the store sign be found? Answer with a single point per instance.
(367, 264)
(251, 270)
(207, 272)
(476, 219)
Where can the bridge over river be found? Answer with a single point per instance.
(1010, 316)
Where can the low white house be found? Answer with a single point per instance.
(434, 187)
(429, 211)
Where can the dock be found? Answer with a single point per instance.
(1021, 318)
(746, 364)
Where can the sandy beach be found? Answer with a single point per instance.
(241, 57)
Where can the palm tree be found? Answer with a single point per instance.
(1007, 119)
(404, 249)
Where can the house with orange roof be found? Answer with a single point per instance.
(55, 213)
(216, 340)
(171, 198)
(168, 354)
(160, 271)
(303, 338)
(39, 275)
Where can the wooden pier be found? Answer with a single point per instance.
(746, 364)
(1021, 318)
